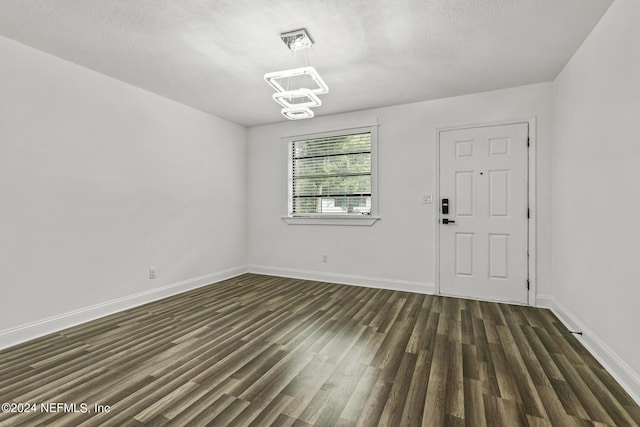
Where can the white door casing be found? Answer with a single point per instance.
(484, 176)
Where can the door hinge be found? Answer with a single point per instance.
(528, 141)
(528, 212)
(528, 284)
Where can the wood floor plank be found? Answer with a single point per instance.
(418, 337)
(543, 356)
(306, 385)
(529, 357)
(394, 408)
(577, 397)
(258, 350)
(605, 398)
(417, 393)
(454, 406)
(526, 388)
(435, 400)
(203, 406)
(205, 410)
(353, 410)
(494, 411)
(507, 382)
(474, 412)
(158, 406)
(372, 410)
(329, 401)
(267, 414)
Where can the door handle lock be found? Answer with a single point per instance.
(447, 221)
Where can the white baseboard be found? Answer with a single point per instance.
(618, 368)
(22, 333)
(346, 279)
(544, 301)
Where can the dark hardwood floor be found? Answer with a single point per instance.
(260, 350)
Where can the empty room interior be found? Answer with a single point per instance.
(319, 213)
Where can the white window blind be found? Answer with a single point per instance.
(330, 175)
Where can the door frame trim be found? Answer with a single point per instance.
(531, 178)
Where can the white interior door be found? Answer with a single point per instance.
(483, 247)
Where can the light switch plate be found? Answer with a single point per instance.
(427, 198)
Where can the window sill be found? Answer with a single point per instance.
(331, 220)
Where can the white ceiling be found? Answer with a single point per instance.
(212, 54)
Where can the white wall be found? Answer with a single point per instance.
(399, 250)
(596, 190)
(99, 181)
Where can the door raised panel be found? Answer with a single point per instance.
(464, 254)
(464, 194)
(499, 146)
(499, 193)
(464, 149)
(499, 256)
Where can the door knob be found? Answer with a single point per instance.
(447, 221)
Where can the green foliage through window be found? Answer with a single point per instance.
(331, 175)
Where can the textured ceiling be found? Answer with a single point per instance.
(212, 54)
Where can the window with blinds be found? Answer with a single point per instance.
(330, 175)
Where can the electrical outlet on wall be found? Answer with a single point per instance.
(152, 272)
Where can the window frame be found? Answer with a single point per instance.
(335, 219)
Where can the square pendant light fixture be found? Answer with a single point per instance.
(297, 89)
